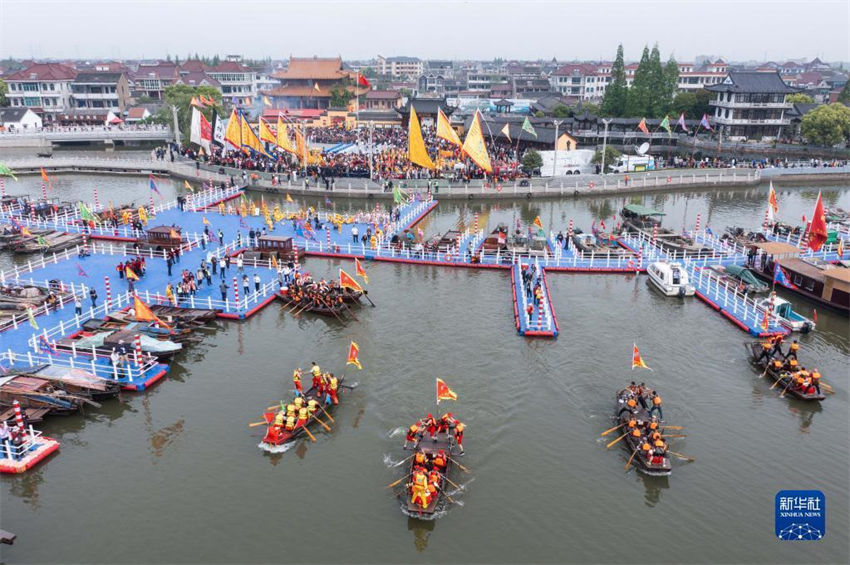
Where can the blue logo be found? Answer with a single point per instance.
(800, 515)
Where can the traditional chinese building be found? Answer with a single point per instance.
(309, 83)
(751, 104)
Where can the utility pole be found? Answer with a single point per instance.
(604, 144)
(555, 157)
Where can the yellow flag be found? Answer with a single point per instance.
(289, 198)
(266, 132)
(445, 130)
(188, 186)
(416, 151)
(233, 133)
(300, 145)
(506, 131)
(283, 140)
(474, 145)
(249, 138)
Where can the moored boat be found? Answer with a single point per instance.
(34, 392)
(637, 218)
(783, 311)
(670, 278)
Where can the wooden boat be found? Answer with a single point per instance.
(431, 447)
(600, 244)
(274, 438)
(147, 328)
(33, 392)
(191, 316)
(637, 218)
(338, 310)
(742, 278)
(77, 381)
(817, 280)
(443, 242)
(742, 237)
(497, 240)
(782, 375)
(655, 465)
(56, 241)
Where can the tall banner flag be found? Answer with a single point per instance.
(46, 178)
(130, 274)
(266, 133)
(250, 139)
(704, 122)
(840, 249)
(300, 145)
(206, 134)
(445, 130)
(681, 122)
(360, 271)
(528, 128)
(780, 277)
(195, 126)
(444, 392)
(637, 360)
(474, 145)
(642, 126)
(217, 129)
(416, 150)
(282, 139)
(506, 131)
(233, 133)
(353, 354)
(5, 171)
(154, 187)
(772, 205)
(30, 317)
(817, 229)
(347, 281)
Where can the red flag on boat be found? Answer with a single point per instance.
(817, 231)
(444, 392)
(637, 360)
(360, 271)
(347, 281)
(353, 353)
(815, 315)
(143, 312)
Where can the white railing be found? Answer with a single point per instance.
(17, 452)
(128, 373)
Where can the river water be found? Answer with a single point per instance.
(174, 475)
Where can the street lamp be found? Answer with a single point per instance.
(604, 143)
(555, 157)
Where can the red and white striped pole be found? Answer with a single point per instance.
(96, 200)
(639, 260)
(654, 233)
(570, 234)
(19, 418)
(2, 187)
(696, 227)
(540, 312)
(766, 216)
(475, 223)
(328, 238)
(138, 350)
(108, 293)
(85, 244)
(44, 191)
(152, 210)
(236, 292)
(295, 256)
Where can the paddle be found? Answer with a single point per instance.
(606, 432)
(673, 427)
(685, 457)
(446, 495)
(349, 311)
(324, 425)
(306, 431)
(448, 480)
(462, 468)
(255, 424)
(366, 294)
(391, 485)
(616, 440)
(779, 380)
(326, 413)
(676, 435)
(629, 462)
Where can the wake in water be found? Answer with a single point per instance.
(390, 462)
(276, 448)
(395, 432)
(461, 487)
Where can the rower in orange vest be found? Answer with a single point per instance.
(296, 379)
(459, 435)
(816, 380)
(440, 461)
(412, 433)
(302, 417)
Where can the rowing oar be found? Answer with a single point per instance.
(676, 435)
(304, 427)
(462, 468)
(606, 432)
(451, 482)
(629, 462)
(349, 311)
(326, 413)
(338, 317)
(391, 485)
(447, 495)
(616, 440)
(402, 461)
(685, 457)
(324, 425)
(779, 380)
(255, 424)
(366, 294)
(785, 390)
(673, 427)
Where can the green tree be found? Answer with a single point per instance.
(693, 104)
(658, 101)
(340, 97)
(799, 98)
(561, 111)
(640, 94)
(827, 125)
(539, 114)
(844, 95)
(531, 160)
(671, 85)
(611, 156)
(616, 93)
(368, 72)
(4, 88)
(180, 95)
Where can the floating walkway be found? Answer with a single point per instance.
(541, 321)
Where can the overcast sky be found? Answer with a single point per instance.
(735, 30)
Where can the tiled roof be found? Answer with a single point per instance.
(383, 95)
(313, 68)
(229, 67)
(754, 82)
(98, 77)
(12, 114)
(44, 71)
(136, 113)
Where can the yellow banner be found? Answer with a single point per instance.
(266, 132)
(445, 130)
(300, 145)
(474, 145)
(249, 138)
(233, 133)
(283, 140)
(416, 151)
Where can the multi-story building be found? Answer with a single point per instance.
(751, 104)
(308, 83)
(151, 80)
(110, 90)
(399, 67)
(485, 80)
(694, 77)
(44, 87)
(381, 100)
(432, 82)
(582, 81)
(235, 80)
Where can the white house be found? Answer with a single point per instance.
(17, 119)
(46, 86)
